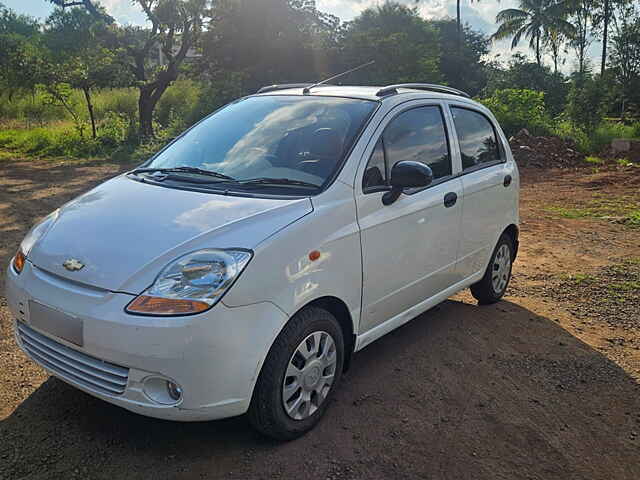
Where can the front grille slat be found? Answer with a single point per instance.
(73, 365)
(65, 364)
(74, 355)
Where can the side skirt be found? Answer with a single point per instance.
(375, 333)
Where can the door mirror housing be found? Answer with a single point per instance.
(407, 174)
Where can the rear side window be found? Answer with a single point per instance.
(477, 137)
(419, 135)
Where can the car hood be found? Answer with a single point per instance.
(125, 231)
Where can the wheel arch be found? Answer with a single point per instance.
(513, 232)
(338, 308)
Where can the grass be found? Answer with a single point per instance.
(594, 160)
(624, 210)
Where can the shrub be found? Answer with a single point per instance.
(585, 106)
(518, 109)
(54, 141)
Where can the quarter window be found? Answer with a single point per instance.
(477, 138)
(419, 135)
(376, 173)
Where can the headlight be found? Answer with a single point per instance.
(35, 234)
(192, 283)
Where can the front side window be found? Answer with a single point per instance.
(477, 138)
(419, 135)
(300, 139)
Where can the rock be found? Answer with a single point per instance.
(621, 145)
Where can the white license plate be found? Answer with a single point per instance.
(56, 323)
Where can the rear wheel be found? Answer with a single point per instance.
(299, 375)
(496, 279)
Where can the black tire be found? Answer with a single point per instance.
(266, 412)
(484, 291)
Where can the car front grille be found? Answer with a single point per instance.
(76, 367)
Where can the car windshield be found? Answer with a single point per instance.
(294, 140)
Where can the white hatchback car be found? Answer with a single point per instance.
(240, 268)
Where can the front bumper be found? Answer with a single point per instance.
(215, 356)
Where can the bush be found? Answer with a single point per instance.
(596, 140)
(177, 103)
(51, 142)
(585, 106)
(518, 109)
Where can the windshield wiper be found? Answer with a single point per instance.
(196, 170)
(277, 181)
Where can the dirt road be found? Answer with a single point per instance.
(544, 385)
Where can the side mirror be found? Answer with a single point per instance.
(407, 174)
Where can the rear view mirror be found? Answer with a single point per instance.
(407, 174)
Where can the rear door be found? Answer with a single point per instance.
(487, 183)
(409, 248)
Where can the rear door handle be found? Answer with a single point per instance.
(450, 199)
(507, 180)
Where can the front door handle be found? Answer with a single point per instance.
(507, 180)
(450, 199)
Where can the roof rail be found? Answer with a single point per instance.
(393, 89)
(284, 86)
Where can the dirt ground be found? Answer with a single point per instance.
(544, 385)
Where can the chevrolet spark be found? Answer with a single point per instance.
(239, 269)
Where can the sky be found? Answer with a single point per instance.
(480, 15)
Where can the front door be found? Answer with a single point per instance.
(409, 248)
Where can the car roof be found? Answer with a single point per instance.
(366, 93)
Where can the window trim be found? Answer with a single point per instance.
(501, 149)
(386, 188)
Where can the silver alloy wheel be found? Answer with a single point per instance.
(309, 375)
(501, 268)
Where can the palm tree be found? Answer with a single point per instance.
(537, 21)
(459, 21)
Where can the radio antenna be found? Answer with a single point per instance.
(307, 90)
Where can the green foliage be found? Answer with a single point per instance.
(462, 68)
(520, 73)
(539, 21)
(404, 46)
(593, 159)
(585, 107)
(518, 109)
(178, 102)
(50, 142)
(620, 209)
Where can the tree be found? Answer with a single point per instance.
(268, 41)
(585, 105)
(175, 30)
(460, 28)
(522, 74)
(581, 16)
(465, 67)
(404, 46)
(625, 55)
(21, 53)
(80, 55)
(535, 20)
(95, 10)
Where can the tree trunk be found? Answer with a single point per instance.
(538, 57)
(87, 97)
(459, 25)
(145, 113)
(605, 35)
(149, 96)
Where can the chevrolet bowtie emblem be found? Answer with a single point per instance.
(73, 265)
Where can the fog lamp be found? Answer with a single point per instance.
(175, 391)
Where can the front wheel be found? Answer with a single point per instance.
(496, 279)
(299, 375)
